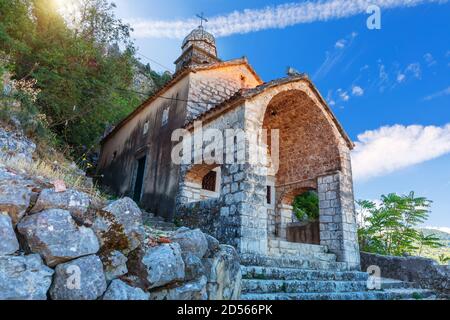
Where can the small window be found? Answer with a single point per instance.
(209, 181)
(146, 126)
(269, 195)
(165, 117)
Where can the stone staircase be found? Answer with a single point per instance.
(313, 274)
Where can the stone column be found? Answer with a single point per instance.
(338, 229)
(253, 213)
(284, 217)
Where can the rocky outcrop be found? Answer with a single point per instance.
(119, 290)
(81, 279)
(62, 244)
(24, 278)
(425, 272)
(191, 241)
(8, 240)
(115, 265)
(224, 275)
(77, 203)
(13, 144)
(193, 290)
(119, 226)
(164, 265)
(55, 236)
(15, 195)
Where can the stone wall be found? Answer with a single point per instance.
(338, 229)
(425, 272)
(69, 245)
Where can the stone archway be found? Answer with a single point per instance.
(313, 152)
(201, 182)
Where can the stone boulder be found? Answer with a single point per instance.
(120, 291)
(119, 226)
(8, 239)
(24, 278)
(193, 290)
(71, 200)
(191, 241)
(115, 265)
(15, 197)
(163, 265)
(224, 275)
(80, 279)
(194, 267)
(55, 236)
(14, 145)
(213, 246)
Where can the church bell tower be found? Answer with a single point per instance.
(199, 47)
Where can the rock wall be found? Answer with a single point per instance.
(69, 246)
(425, 272)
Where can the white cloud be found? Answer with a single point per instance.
(383, 77)
(357, 91)
(429, 59)
(281, 16)
(391, 148)
(415, 70)
(340, 44)
(401, 77)
(334, 56)
(439, 94)
(343, 95)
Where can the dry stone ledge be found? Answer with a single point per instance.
(8, 240)
(191, 241)
(15, 197)
(193, 290)
(24, 278)
(224, 275)
(71, 200)
(115, 265)
(80, 279)
(55, 236)
(120, 226)
(164, 265)
(120, 291)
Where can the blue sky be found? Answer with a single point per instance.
(394, 78)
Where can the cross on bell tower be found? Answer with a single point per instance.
(199, 47)
(202, 18)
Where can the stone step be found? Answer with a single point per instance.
(254, 272)
(387, 284)
(291, 262)
(297, 286)
(392, 294)
(309, 256)
(298, 247)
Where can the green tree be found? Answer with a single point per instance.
(306, 206)
(390, 227)
(82, 77)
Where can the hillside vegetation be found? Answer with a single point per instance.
(70, 79)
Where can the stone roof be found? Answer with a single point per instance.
(245, 94)
(176, 78)
(199, 34)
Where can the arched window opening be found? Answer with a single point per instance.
(202, 182)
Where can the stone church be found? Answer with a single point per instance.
(242, 204)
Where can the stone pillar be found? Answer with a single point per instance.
(284, 218)
(338, 228)
(253, 211)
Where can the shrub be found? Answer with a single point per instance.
(306, 206)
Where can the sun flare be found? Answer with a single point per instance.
(66, 7)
